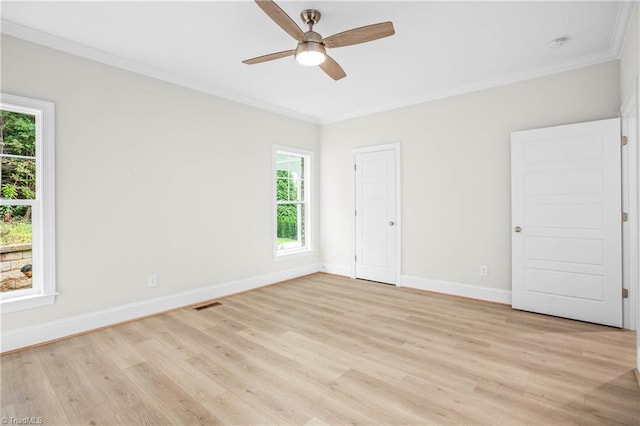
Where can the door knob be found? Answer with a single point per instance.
(391, 223)
(517, 229)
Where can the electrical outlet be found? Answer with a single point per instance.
(484, 271)
(153, 281)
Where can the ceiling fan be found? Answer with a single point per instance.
(311, 49)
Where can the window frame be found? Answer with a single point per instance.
(43, 290)
(307, 157)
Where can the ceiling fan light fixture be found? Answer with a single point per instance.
(310, 53)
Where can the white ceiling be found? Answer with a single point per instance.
(439, 49)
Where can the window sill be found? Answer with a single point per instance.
(26, 302)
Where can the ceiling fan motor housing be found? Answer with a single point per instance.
(313, 47)
(313, 37)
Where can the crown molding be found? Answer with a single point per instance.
(621, 28)
(48, 40)
(582, 62)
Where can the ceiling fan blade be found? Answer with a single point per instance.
(282, 19)
(333, 70)
(269, 57)
(360, 35)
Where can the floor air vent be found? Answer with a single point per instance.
(208, 305)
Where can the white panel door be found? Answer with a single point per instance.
(566, 221)
(375, 195)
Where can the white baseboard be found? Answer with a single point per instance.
(345, 271)
(457, 289)
(40, 333)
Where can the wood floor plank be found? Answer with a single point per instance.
(74, 389)
(324, 349)
(167, 398)
(181, 373)
(121, 402)
(28, 393)
(116, 347)
(233, 410)
(245, 382)
(303, 391)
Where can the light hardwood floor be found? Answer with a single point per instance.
(324, 349)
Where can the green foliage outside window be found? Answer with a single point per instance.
(18, 173)
(287, 213)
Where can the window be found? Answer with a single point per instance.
(27, 266)
(292, 206)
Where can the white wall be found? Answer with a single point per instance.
(629, 57)
(629, 70)
(151, 178)
(456, 170)
(637, 24)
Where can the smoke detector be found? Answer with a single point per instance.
(557, 43)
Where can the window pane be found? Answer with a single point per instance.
(297, 189)
(290, 226)
(15, 248)
(290, 174)
(296, 166)
(291, 202)
(18, 178)
(282, 186)
(18, 135)
(17, 154)
(27, 140)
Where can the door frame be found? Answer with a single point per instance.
(631, 197)
(398, 216)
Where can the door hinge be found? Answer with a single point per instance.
(625, 293)
(625, 216)
(355, 257)
(625, 140)
(355, 212)
(354, 167)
